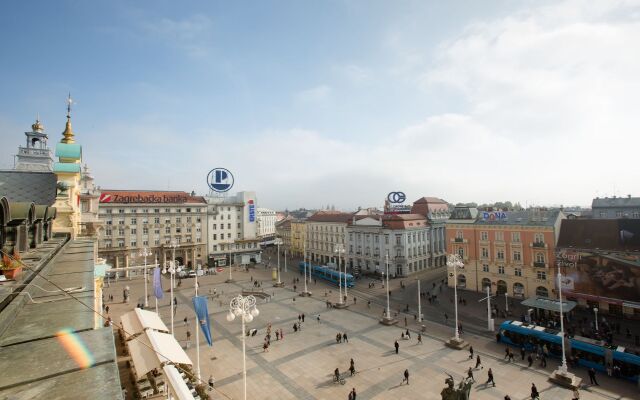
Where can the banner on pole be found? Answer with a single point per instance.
(157, 283)
(200, 305)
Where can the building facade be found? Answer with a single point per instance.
(324, 231)
(400, 240)
(233, 229)
(283, 231)
(510, 252)
(36, 155)
(436, 211)
(266, 220)
(90, 221)
(616, 207)
(166, 223)
(298, 236)
(600, 262)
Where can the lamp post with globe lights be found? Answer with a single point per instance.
(339, 249)
(387, 319)
(172, 270)
(245, 308)
(145, 253)
(454, 261)
(278, 242)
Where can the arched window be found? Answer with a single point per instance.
(501, 287)
(486, 282)
(542, 291)
(518, 289)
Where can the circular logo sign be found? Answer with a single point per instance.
(220, 179)
(396, 197)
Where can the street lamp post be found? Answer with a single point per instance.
(387, 320)
(338, 249)
(145, 253)
(304, 264)
(245, 308)
(595, 311)
(419, 303)
(454, 261)
(172, 272)
(506, 303)
(230, 280)
(279, 283)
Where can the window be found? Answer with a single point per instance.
(167, 220)
(518, 271)
(178, 210)
(461, 252)
(156, 220)
(228, 226)
(458, 234)
(238, 225)
(501, 269)
(120, 243)
(189, 229)
(215, 236)
(517, 256)
(215, 226)
(167, 210)
(145, 242)
(156, 242)
(540, 258)
(145, 211)
(485, 267)
(386, 239)
(156, 231)
(109, 211)
(485, 252)
(120, 232)
(178, 220)
(121, 222)
(107, 244)
(134, 243)
(121, 211)
(635, 215)
(156, 210)
(167, 230)
(178, 230)
(109, 222)
(618, 214)
(398, 240)
(500, 236)
(541, 275)
(515, 237)
(134, 221)
(538, 238)
(188, 218)
(484, 235)
(500, 254)
(134, 231)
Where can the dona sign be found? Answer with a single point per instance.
(494, 216)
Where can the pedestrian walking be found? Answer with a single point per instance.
(210, 382)
(345, 338)
(107, 309)
(534, 392)
(470, 375)
(511, 356)
(277, 335)
(295, 327)
(405, 321)
(406, 376)
(592, 377)
(303, 317)
(338, 337)
(506, 353)
(352, 368)
(318, 318)
(478, 362)
(265, 347)
(446, 318)
(522, 352)
(470, 352)
(490, 378)
(299, 317)
(188, 339)
(543, 361)
(530, 360)
(281, 334)
(419, 338)
(185, 321)
(407, 334)
(397, 346)
(352, 395)
(576, 394)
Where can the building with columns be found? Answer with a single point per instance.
(167, 223)
(402, 240)
(510, 252)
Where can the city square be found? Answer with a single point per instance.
(301, 365)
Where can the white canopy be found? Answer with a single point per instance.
(136, 321)
(177, 385)
(153, 349)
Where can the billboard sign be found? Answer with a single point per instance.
(143, 197)
(252, 211)
(220, 180)
(494, 216)
(394, 204)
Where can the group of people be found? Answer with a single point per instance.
(340, 337)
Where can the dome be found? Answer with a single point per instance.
(37, 126)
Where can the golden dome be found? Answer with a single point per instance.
(37, 126)
(68, 132)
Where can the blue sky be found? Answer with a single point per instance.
(335, 102)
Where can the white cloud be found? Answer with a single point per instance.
(315, 95)
(189, 34)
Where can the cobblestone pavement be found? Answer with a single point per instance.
(301, 365)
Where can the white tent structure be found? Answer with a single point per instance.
(177, 386)
(137, 321)
(153, 349)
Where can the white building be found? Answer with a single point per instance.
(266, 223)
(36, 156)
(233, 229)
(404, 237)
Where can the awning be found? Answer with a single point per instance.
(177, 385)
(136, 321)
(153, 349)
(546, 303)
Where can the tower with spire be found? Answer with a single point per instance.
(36, 155)
(68, 171)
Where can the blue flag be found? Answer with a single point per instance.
(157, 283)
(200, 305)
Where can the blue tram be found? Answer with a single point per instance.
(326, 273)
(586, 352)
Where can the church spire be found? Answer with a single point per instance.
(68, 132)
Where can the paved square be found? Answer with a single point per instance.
(301, 365)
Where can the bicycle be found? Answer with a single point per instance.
(340, 379)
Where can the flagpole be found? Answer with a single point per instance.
(197, 329)
(154, 284)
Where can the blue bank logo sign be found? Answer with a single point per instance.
(220, 180)
(396, 197)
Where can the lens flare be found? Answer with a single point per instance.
(76, 348)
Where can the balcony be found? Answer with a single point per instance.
(539, 245)
(538, 264)
(459, 240)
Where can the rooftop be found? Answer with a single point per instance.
(616, 202)
(31, 186)
(602, 234)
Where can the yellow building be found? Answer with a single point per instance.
(298, 236)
